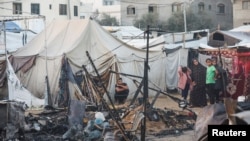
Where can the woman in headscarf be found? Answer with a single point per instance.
(198, 94)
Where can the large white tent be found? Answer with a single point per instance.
(43, 57)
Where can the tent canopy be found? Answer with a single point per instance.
(72, 39)
(229, 38)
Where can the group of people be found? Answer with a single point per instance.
(199, 81)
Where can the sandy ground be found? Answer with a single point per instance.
(165, 101)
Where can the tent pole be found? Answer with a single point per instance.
(145, 90)
(5, 46)
(47, 87)
(113, 113)
(4, 32)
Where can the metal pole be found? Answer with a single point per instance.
(45, 46)
(49, 100)
(4, 32)
(184, 15)
(5, 47)
(145, 90)
(114, 114)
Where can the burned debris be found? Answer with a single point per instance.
(78, 123)
(92, 118)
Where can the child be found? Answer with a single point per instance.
(185, 81)
(210, 80)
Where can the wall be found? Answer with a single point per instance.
(90, 7)
(164, 9)
(240, 15)
(224, 20)
(45, 10)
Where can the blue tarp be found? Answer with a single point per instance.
(11, 27)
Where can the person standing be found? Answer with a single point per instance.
(198, 96)
(184, 83)
(210, 80)
(220, 80)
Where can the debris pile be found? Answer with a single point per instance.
(78, 123)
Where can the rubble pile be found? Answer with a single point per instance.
(46, 125)
(79, 123)
(175, 122)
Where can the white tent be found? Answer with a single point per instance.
(130, 35)
(244, 28)
(19, 31)
(126, 32)
(72, 39)
(14, 41)
(177, 46)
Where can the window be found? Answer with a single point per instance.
(209, 7)
(17, 8)
(152, 9)
(221, 8)
(75, 11)
(130, 10)
(176, 7)
(50, 6)
(246, 23)
(201, 7)
(35, 8)
(62, 9)
(108, 2)
(245, 4)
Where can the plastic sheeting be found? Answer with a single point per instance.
(18, 92)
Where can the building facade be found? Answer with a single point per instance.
(132, 10)
(95, 9)
(241, 10)
(219, 11)
(56, 9)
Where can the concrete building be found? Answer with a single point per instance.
(86, 10)
(95, 9)
(127, 11)
(219, 11)
(132, 10)
(241, 11)
(51, 9)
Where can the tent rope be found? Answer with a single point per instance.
(124, 43)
